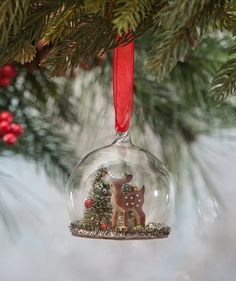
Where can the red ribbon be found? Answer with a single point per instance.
(123, 84)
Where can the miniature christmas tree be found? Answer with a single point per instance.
(98, 208)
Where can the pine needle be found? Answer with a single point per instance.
(224, 83)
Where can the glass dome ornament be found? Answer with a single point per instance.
(120, 191)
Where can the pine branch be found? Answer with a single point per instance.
(129, 14)
(97, 6)
(12, 15)
(173, 38)
(167, 50)
(186, 10)
(78, 47)
(224, 83)
(180, 105)
(46, 109)
(224, 16)
(61, 25)
(80, 30)
(21, 46)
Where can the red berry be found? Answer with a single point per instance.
(6, 116)
(9, 139)
(8, 71)
(88, 203)
(4, 82)
(4, 128)
(17, 129)
(103, 226)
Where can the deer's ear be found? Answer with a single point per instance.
(142, 189)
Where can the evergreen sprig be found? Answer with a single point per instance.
(97, 6)
(80, 30)
(44, 107)
(224, 82)
(12, 15)
(129, 14)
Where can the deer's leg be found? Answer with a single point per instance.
(142, 218)
(115, 218)
(125, 218)
(135, 218)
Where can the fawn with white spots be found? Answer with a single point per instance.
(124, 202)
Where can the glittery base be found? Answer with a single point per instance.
(151, 231)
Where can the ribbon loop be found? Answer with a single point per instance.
(123, 84)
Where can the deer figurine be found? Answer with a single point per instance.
(123, 202)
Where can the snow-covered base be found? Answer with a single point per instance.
(151, 231)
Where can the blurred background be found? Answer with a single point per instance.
(66, 117)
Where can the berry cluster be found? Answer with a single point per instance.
(8, 130)
(7, 72)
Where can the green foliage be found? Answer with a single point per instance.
(167, 51)
(129, 14)
(12, 15)
(77, 46)
(180, 107)
(225, 16)
(96, 6)
(224, 82)
(80, 30)
(173, 37)
(44, 107)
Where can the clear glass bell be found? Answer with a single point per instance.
(120, 192)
